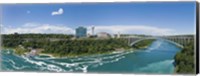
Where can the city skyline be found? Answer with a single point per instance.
(126, 18)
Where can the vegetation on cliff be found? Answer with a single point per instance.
(62, 45)
(184, 60)
(143, 44)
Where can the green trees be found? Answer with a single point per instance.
(13, 40)
(85, 46)
(143, 43)
(63, 45)
(185, 60)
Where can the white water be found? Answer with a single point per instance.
(150, 60)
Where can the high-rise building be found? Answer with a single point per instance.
(81, 32)
(118, 35)
(92, 30)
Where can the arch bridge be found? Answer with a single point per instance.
(180, 41)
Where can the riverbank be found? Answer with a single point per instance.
(20, 50)
(85, 54)
(15, 50)
(70, 55)
(155, 61)
(184, 60)
(144, 44)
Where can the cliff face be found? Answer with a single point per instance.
(184, 60)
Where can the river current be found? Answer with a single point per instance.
(156, 59)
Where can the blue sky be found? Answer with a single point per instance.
(132, 18)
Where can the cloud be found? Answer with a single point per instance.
(112, 29)
(28, 12)
(132, 29)
(1, 25)
(59, 12)
(38, 28)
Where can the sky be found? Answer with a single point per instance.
(152, 18)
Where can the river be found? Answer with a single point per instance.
(156, 59)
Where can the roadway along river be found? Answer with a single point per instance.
(157, 58)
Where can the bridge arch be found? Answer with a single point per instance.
(177, 44)
(136, 41)
(141, 39)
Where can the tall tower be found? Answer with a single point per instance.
(118, 35)
(92, 30)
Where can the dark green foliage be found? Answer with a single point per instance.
(13, 40)
(64, 45)
(85, 46)
(185, 60)
(143, 43)
(36, 36)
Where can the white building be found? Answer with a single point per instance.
(103, 35)
(118, 35)
(92, 30)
